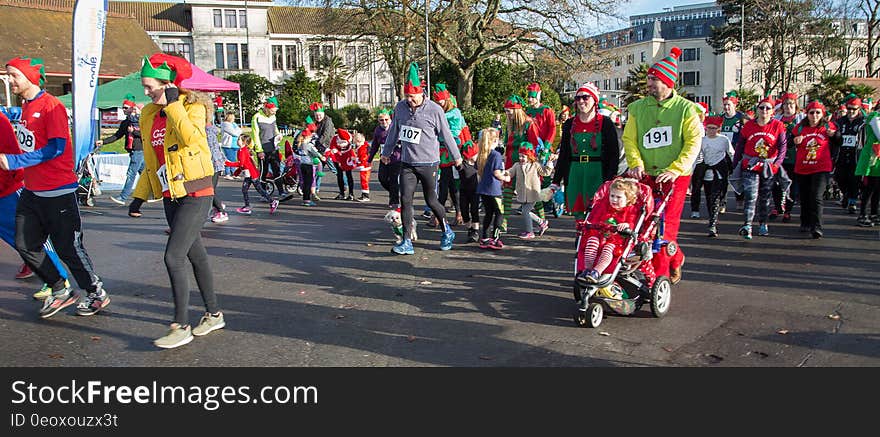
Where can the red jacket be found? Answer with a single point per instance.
(10, 180)
(245, 162)
(346, 159)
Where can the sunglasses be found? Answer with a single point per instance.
(853, 109)
(582, 97)
(815, 112)
(765, 108)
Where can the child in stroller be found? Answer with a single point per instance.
(614, 250)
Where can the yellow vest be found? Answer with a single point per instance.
(187, 157)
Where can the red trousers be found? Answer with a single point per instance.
(365, 181)
(663, 261)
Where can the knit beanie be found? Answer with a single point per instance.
(667, 68)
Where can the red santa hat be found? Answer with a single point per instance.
(713, 120)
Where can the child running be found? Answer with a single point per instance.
(490, 164)
(248, 170)
(527, 173)
(618, 211)
(717, 154)
(364, 165)
(309, 155)
(468, 201)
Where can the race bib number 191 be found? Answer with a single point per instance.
(410, 134)
(658, 137)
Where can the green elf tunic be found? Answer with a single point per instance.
(869, 159)
(589, 154)
(662, 136)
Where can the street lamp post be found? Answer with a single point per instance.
(427, 50)
(742, 42)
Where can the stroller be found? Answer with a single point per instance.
(630, 281)
(89, 185)
(289, 176)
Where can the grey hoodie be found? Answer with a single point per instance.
(428, 121)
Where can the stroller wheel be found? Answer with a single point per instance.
(269, 187)
(661, 296)
(594, 314)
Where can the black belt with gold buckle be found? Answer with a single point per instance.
(584, 158)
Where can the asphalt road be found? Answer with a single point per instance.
(319, 287)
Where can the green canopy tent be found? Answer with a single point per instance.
(111, 94)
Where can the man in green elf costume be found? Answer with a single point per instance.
(266, 137)
(661, 140)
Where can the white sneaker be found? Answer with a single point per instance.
(695, 215)
(121, 202)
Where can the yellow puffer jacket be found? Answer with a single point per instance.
(187, 157)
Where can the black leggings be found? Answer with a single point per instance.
(218, 205)
(494, 215)
(389, 175)
(812, 187)
(469, 203)
(307, 173)
(783, 207)
(186, 216)
(714, 197)
(447, 187)
(427, 176)
(38, 218)
(272, 162)
(697, 186)
(871, 193)
(845, 175)
(245, 187)
(341, 182)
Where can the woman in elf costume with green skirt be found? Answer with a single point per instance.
(868, 170)
(519, 128)
(589, 153)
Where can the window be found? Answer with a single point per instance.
(231, 21)
(387, 94)
(739, 74)
(218, 18)
(219, 58)
(596, 83)
(327, 53)
(232, 56)
(277, 58)
(350, 54)
(863, 51)
(351, 93)
(690, 54)
(706, 99)
(756, 75)
(697, 29)
(617, 62)
(859, 73)
(245, 57)
(680, 31)
(363, 55)
(606, 84)
(630, 59)
(290, 57)
(642, 34)
(168, 47)
(617, 83)
(314, 57)
(364, 93)
(827, 73)
(185, 50)
(642, 57)
(690, 78)
(242, 19)
(809, 76)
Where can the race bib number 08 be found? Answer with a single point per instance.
(658, 137)
(162, 172)
(410, 134)
(849, 141)
(26, 140)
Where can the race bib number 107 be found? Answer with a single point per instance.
(658, 137)
(410, 134)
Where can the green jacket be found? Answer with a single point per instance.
(674, 128)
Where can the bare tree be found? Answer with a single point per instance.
(871, 11)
